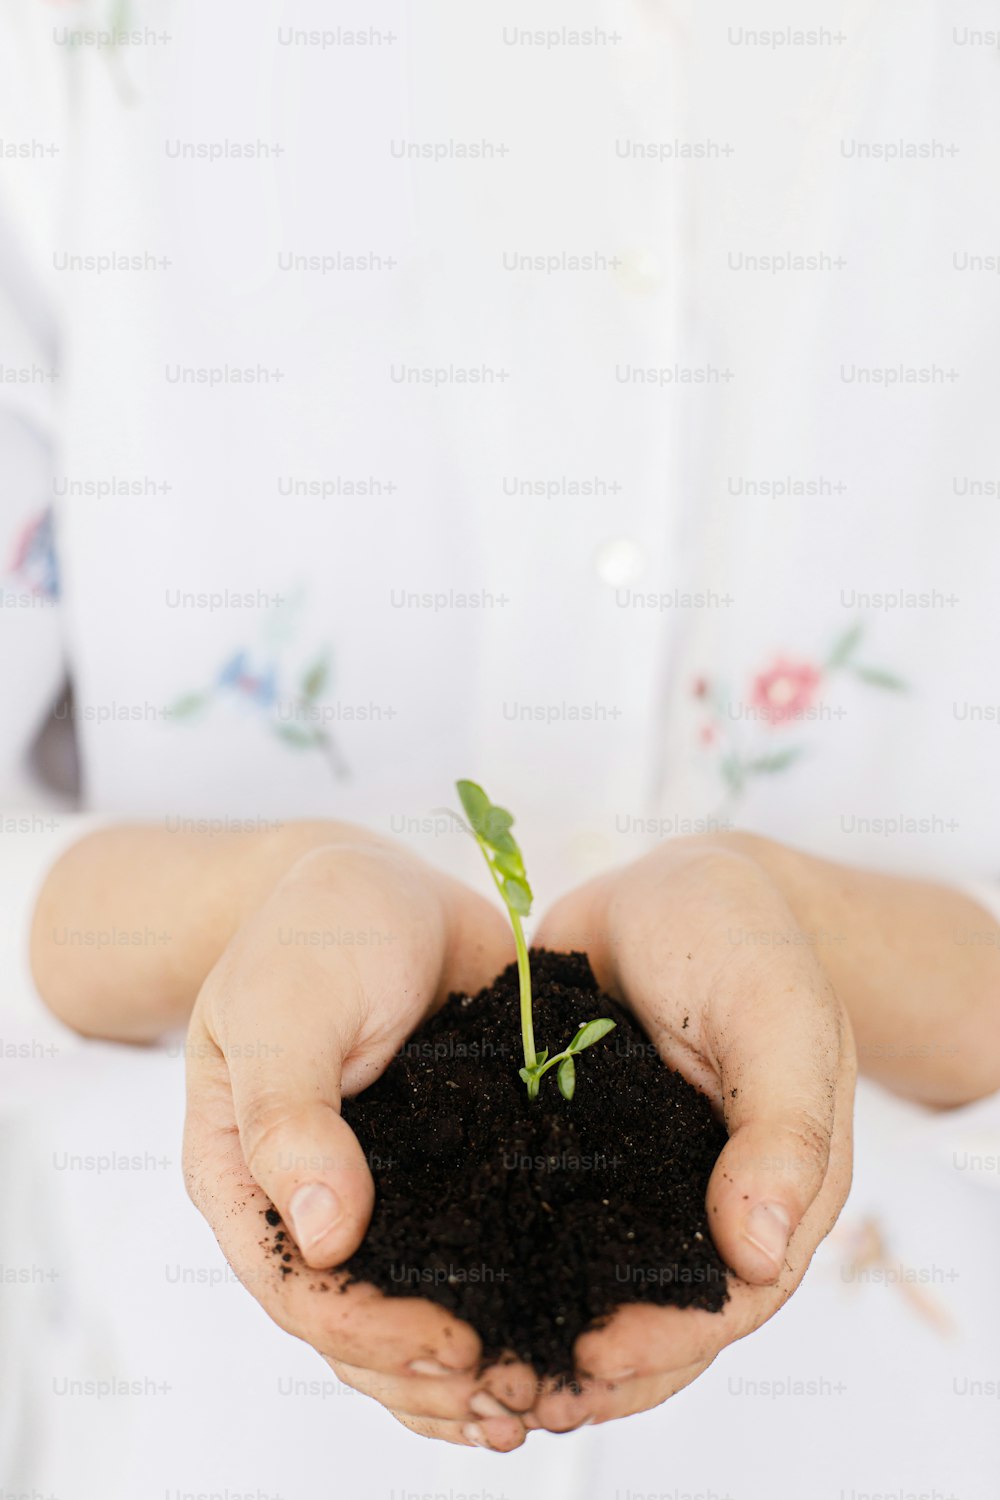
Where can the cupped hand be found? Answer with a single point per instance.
(701, 944)
(311, 999)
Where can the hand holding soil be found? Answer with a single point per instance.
(283, 1025)
(764, 1040)
(759, 1030)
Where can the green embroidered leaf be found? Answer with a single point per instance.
(295, 735)
(779, 761)
(845, 647)
(566, 1077)
(877, 677)
(476, 804)
(591, 1033)
(315, 679)
(518, 895)
(187, 707)
(733, 773)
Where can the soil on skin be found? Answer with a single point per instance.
(534, 1221)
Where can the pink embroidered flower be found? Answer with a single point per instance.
(786, 690)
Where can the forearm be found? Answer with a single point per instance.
(917, 966)
(132, 918)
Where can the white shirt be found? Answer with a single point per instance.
(574, 490)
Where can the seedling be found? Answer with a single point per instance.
(490, 827)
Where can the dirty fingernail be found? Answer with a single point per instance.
(485, 1405)
(430, 1367)
(312, 1213)
(473, 1433)
(767, 1228)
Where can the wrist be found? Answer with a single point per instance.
(922, 1007)
(154, 910)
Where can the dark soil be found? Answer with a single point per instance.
(534, 1221)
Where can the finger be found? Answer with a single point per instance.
(773, 1034)
(641, 1340)
(780, 1055)
(356, 1325)
(287, 1017)
(340, 1015)
(596, 1401)
(514, 1384)
(480, 940)
(413, 1395)
(577, 923)
(459, 1398)
(502, 1435)
(297, 1146)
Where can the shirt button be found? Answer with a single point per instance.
(618, 561)
(640, 272)
(589, 853)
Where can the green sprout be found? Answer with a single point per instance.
(490, 827)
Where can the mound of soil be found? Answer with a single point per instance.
(533, 1221)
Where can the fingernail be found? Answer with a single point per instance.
(767, 1228)
(430, 1367)
(313, 1212)
(473, 1433)
(485, 1405)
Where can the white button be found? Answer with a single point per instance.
(618, 561)
(589, 853)
(640, 272)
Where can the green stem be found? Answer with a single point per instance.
(524, 979)
(523, 976)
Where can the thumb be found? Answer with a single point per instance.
(781, 1068)
(285, 1073)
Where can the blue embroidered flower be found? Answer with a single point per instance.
(295, 716)
(261, 689)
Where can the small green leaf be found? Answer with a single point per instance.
(779, 761)
(542, 1057)
(566, 1077)
(517, 894)
(498, 822)
(591, 1033)
(524, 1075)
(475, 802)
(876, 677)
(510, 864)
(504, 843)
(845, 647)
(314, 681)
(186, 707)
(294, 734)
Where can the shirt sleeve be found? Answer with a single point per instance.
(33, 164)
